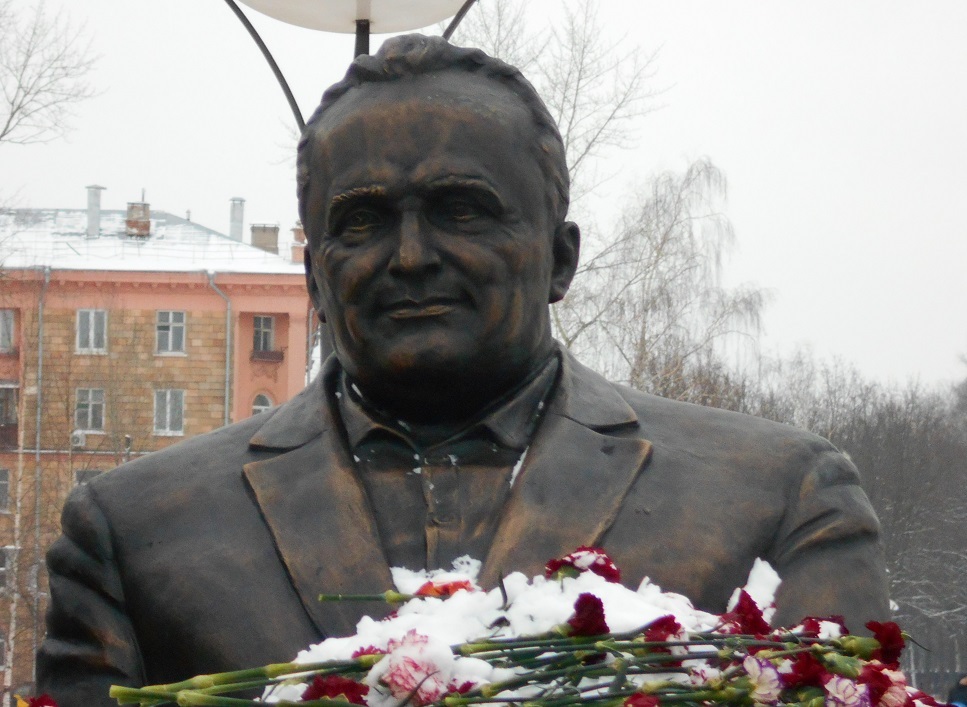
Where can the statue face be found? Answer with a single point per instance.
(434, 255)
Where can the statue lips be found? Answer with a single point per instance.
(422, 308)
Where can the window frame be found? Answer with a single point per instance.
(260, 332)
(4, 491)
(168, 329)
(8, 330)
(10, 406)
(90, 331)
(168, 394)
(256, 408)
(6, 567)
(89, 393)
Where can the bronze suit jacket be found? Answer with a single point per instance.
(209, 556)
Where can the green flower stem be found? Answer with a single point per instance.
(140, 696)
(390, 597)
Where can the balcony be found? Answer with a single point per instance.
(267, 356)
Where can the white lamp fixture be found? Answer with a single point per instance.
(343, 15)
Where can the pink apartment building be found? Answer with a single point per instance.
(122, 332)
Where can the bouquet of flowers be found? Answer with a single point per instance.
(570, 638)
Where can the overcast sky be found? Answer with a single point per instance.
(841, 127)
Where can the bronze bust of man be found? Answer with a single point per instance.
(434, 192)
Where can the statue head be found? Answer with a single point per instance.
(433, 190)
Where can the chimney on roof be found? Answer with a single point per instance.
(298, 245)
(94, 210)
(266, 237)
(236, 219)
(138, 222)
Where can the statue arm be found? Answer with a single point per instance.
(829, 552)
(90, 643)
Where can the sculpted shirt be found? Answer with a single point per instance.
(451, 483)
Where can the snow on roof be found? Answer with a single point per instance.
(57, 238)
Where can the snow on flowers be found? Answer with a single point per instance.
(571, 637)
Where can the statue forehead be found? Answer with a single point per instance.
(463, 95)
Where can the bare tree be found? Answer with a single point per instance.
(45, 62)
(593, 83)
(650, 307)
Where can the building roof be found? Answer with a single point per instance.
(57, 238)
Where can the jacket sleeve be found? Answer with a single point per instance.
(90, 642)
(828, 551)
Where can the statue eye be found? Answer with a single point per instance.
(462, 210)
(362, 219)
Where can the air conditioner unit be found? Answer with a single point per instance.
(78, 439)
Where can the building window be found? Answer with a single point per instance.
(6, 331)
(91, 330)
(4, 490)
(264, 333)
(82, 476)
(170, 332)
(8, 415)
(8, 403)
(261, 403)
(169, 412)
(89, 409)
(6, 567)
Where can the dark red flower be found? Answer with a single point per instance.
(588, 619)
(639, 700)
(461, 689)
(664, 628)
(367, 650)
(925, 699)
(44, 700)
(811, 625)
(584, 559)
(443, 589)
(336, 686)
(891, 642)
(806, 671)
(876, 683)
(746, 617)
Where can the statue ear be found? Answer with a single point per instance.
(566, 250)
(312, 286)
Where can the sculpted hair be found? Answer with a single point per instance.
(415, 54)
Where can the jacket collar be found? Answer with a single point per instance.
(582, 396)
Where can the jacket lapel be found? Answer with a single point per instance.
(318, 513)
(574, 477)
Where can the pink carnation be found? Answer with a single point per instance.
(843, 692)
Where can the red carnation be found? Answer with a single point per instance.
(891, 642)
(584, 559)
(664, 628)
(335, 686)
(443, 589)
(805, 671)
(746, 617)
(44, 700)
(588, 619)
(924, 698)
(461, 689)
(811, 625)
(639, 700)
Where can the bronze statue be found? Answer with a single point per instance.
(433, 189)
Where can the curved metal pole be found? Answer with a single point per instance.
(300, 121)
(457, 19)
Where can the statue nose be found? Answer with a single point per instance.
(415, 251)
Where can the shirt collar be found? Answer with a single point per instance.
(510, 420)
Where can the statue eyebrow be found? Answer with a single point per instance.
(357, 193)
